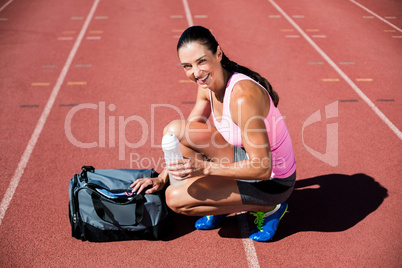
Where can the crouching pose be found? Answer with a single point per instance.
(245, 162)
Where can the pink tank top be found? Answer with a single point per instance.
(283, 160)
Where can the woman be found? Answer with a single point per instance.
(243, 163)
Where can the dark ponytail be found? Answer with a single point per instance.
(205, 37)
(232, 66)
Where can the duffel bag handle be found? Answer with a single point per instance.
(84, 171)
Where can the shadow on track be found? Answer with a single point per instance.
(328, 203)
(180, 225)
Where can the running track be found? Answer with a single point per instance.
(336, 65)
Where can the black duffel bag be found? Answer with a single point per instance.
(102, 207)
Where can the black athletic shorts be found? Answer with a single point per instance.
(263, 193)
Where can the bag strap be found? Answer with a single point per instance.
(139, 208)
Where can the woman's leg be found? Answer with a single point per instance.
(207, 195)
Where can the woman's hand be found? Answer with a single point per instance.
(186, 168)
(139, 185)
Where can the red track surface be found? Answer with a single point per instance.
(344, 214)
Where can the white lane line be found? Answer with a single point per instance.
(341, 73)
(377, 16)
(42, 120)
(248, 244)
(5, 5)
(188, 13)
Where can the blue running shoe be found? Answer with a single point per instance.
(267, 224)
(209, 222)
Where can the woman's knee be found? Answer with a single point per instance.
(175, 199)
(176, 127)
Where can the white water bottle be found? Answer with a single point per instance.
(171, 148)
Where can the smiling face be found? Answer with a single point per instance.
(200, 64)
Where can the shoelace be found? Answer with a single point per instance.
(259, 219)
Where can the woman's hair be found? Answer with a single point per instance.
(205, 37)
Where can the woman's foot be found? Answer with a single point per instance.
(267, 223)
(209, 222)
